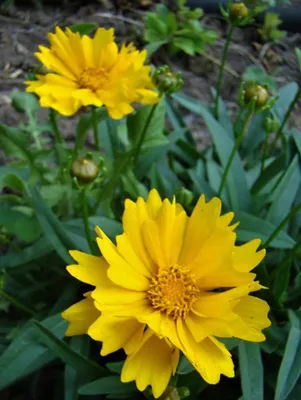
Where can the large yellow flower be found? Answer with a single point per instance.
(171, 283)
(87, 71)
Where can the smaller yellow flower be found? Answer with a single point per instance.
(92, 71)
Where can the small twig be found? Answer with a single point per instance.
(120, 18)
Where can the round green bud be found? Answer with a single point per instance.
(238, 11)
(184, 196)
(271, 124)
(166, 81)
(85, 170)
(259, 93)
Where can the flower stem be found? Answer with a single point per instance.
(86, 221)
(235, 148)
(95, 128)
(265, 149)
(57, 134)
(16, 303)
(282, 224)
(221, 70)
(143, 133)
(286, 117)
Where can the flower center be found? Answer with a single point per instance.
(172, 292)
(93, 78)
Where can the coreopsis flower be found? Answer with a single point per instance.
(92, 71)
(170, 284)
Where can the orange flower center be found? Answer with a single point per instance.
(93, 78)
(172, 292)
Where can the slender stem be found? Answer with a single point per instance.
(286, 117)
(237, 120)
(86, 221)
(16, 303)
(234, 150)
(265, 149)
(143, 133)
(221, 71)
(282, 225)
(95, 128)
(57, 134)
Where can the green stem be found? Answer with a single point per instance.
(57, 134)
(265, 149)
(95, 128)
(234, 150)
(221, 70)
(237, 120)
(143, 133)
(282, 225)
(286, 117)
(16, 303)
(86, 221)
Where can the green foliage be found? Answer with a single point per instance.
(179, 31)
(269, 31)
(41, 219)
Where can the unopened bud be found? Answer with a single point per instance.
(238, 11)
(85, 170)
(257, 92)
(271, 124)
(184, 196)
(166, 81)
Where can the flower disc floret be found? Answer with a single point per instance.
(92, 72)
(172, 283)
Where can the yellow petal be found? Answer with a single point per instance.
(152, 243)
(116, 332)
(88, 50)
(54, 63)
(201, 223)
(245, 257)
(102, 38)
(120, 272)
(148, 96)
(80, 316)
(153, 203)
(209, 357)
(120, 110)
(153, 364)
(90, 269)
(87, 98)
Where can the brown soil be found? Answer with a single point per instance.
(22, 30)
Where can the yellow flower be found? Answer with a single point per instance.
(171, 283)
(85, 71)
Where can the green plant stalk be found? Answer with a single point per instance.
(221, 70)
(57, 134)
(143, 133)
(16, 303)
(234, 150)
(286, 118)
(95, 128)
(264, 154)
(86, 221)
(236, 122)
(282, 225)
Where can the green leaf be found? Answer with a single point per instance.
(25, 227)
(269, 173)
(256, 73)
(283, 196)
(184, 367)
(73, 380)
(152, 47)
(84, 28)
(107, 385)
(81, 364)
(155, 131)
(185, 44)
(286, 96)
(25, 355)
(251, 227)
(290, 368)
(251, 370)
(52, 228)
(298, 54)
(132, 186)
(25, 102)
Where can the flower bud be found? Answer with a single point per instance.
(166, 81)
(85, 170)
(259, 93)
(271, 124)
(184, 196)
(238, 11)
